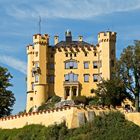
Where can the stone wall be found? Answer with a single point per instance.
(73, 116)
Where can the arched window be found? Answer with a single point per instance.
(71, 77)
(71, 64)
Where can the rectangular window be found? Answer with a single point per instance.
(52, 66)
(36, 64)
(74, 65)
(75, 77)
(71, 77)
(85, 54)
(67, 65)
(74, 54)
(86, 77)
(36, 54)
(86, 65)
(95, 54)
(71, 65)
(51, 78)
(32, 74)
(95, 77)
(66, 77)
(31, 98)
(95, 64)
(36, 78)
(32, 86)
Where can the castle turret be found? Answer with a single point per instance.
(37, 72)
(68, 36)
(30, 80)
(107, 52)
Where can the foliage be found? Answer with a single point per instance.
(21, 112)
(80, 100)
(129, 70)
(112, 126)
(50, 103)
(7, 98)
(95, 100)
(112, 92)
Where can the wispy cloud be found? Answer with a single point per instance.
(72, 9)
(14, 63)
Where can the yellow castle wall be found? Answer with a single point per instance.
(59, 115)
(57, 55)
(50, 117)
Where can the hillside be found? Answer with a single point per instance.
(109, 127)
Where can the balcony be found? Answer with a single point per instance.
(71, 83)
(36, 70)
(71, 89)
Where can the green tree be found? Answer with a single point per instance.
(129, 70)
(7, 98)
(112, 92)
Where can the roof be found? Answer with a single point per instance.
(72, 43)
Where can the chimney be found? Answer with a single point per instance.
(80, 38)
(68, 36)
(56, 39)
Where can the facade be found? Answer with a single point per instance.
(67, 68)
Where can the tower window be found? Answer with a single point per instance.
(74, 54)
(95, 54)
(36, 54)
(36, 64)
(70, 54)
(95, 77)
(86, 77)
(86, 65)
(51, 79)
(36, 78)
(52, 66)
(32, 86)
(31, 98)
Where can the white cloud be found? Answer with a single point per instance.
(72, 9)
(14, 63)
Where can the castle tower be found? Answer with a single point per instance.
(37, 89)
(107, 53)
(30, 80)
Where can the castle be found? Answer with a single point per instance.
(68, 68)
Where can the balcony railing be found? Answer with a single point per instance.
(36, 70)
(65, 83)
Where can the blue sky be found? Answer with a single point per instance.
(19, 21)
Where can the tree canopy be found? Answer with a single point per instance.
(129, 70)
(7, 98)
(112, 92)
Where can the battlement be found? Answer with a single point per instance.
(107, 36)
(30, 49)
(12, 117)
(73, 116)
(41, 39)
